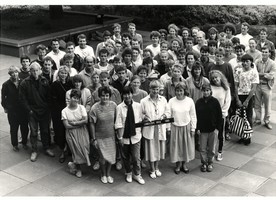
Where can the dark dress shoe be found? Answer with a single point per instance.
(177, 171)
(185, 170)
(62, 158)
(15, 148)
(267, 125)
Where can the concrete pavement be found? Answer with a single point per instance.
(244, 170)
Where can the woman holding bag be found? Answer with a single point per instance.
(246, 79)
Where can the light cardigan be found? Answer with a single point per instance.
(149, 110)
(223, 97)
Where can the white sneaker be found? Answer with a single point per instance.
(129, 177)
(104, 179)
(96, 166)
(152, 175)
(110, 179)
(158, 173)
(219, 157)
(139, 179)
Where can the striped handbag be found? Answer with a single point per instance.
(239, 125)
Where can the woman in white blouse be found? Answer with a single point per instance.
(154, 107)
(182, 145)
(246, 80)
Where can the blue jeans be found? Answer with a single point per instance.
(44, 132)
(132, 155)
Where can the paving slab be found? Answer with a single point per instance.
(32, 171)
(249, 150)
(11, 158)
(193, 185)
(273, 145)
(268, 188)
(243, 180)
(172, 192)
(225, 190)
(267, 154)
(259, 167)
(263, 129)
(134, 189)
(233, 159)
(263, 138)
(219, 172)
(84, 188)
(273, 176)
(9, 183)
(32, 190)
(4, 134)
(57, 180)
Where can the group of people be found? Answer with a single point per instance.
(97, 104)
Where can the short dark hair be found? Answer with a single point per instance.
(127, 51)
(75, 93)
(103, 51)
(142, 67)
(190, 53)
(212, 42)
(230, 26)
(240, 46)
(81, 36)
(154, 34)
(106, 33)
(235, 40)
(40, 46)
(104, 74)
(126, 35)
(70, 44)
(54, 40)
(121, 68)
(104, 89)
(204, 48)
(127, 90)
(24, 57)
(246, 57)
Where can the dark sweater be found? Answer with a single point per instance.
(209, 114)
(10, 97)
(34, 96)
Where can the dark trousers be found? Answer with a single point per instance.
(132, 155)
(43, 124)
(17, 119)
(221, 135)
(59, 130)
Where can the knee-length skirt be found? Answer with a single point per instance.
(155, 149)
(79, 144)
(182, 144)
